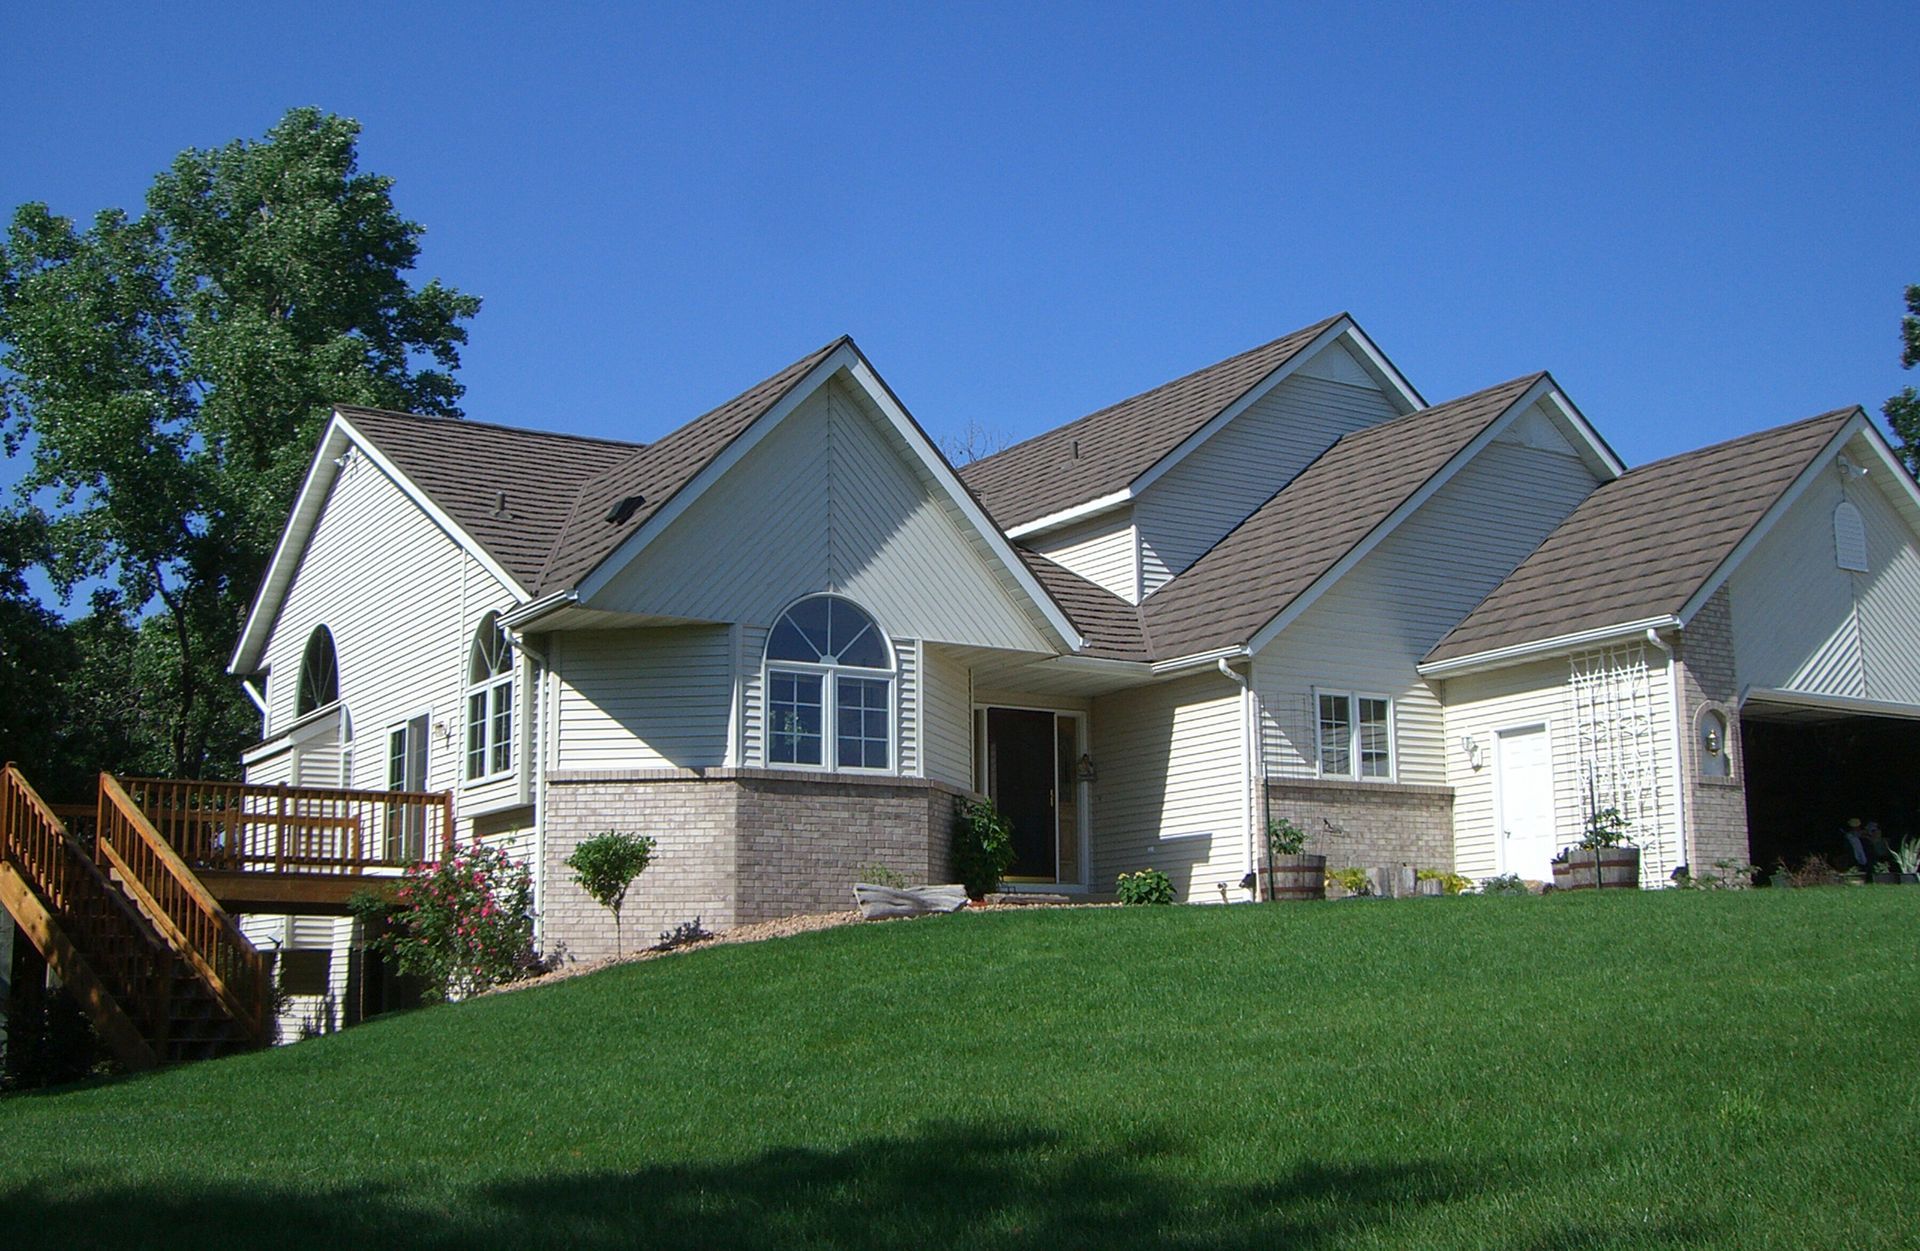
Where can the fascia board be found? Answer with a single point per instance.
(1521, 653)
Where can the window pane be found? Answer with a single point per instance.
(397, 760)
(1376, 740)
(811, 618)
(793, 718)
(476, 734)
(861, 706)
(1336, 736)
(787, 643)
(502, 732)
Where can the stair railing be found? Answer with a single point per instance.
(134, 967)
(184, 910)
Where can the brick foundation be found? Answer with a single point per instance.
(733, 846)
(1369, 824)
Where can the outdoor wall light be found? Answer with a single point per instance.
(1471, 746)
(1086, 768)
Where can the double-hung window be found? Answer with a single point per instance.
(1355, 735)
(829, 688)
(490, 702)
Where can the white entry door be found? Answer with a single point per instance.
(1524, 774)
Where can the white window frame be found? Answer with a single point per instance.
(501, 687)
(830, 700)
(1353, 698)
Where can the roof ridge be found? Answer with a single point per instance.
(1312, 329)
(469, 424)
(1739, 439)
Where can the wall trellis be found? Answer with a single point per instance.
(1619, 748)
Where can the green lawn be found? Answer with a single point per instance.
(1671, 1069)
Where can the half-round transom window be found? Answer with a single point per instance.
(829, 687)
(490, 701)
(319, 674)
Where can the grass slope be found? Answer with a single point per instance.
(1583, 1071)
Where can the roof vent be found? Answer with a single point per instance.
(1076, 449)
(500, 510)
(625, 509)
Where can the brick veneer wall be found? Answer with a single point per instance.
(734, 846)
(1716, 807)
(1369, 824)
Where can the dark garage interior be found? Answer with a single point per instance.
(1809, 772)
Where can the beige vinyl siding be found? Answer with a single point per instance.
(402, 599)
(753, 713)
(653, 698)
(1216, 487)
(1172, 786)
(1104, 551)
(272, 770)
(1540, 693)
(830, 500)
(278, 934)
(1370, 630)
(947, 720)
(907, 707)
(1889, 600)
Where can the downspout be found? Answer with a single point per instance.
(1679, 728)
(537, 748)
(1247, 748)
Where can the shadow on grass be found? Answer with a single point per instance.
(946, 1185)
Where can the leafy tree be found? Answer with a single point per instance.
(36, 655)
(606, 865)
(1903, 410)
(167, 375)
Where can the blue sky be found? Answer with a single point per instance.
(1700, 218)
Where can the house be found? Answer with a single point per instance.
(788, 638)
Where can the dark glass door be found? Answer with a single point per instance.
(1020, 780)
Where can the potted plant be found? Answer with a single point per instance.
(1290, 872)
(1906, 858)
(1604, 857)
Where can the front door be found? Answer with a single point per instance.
(1523, 770)
(1032, 777)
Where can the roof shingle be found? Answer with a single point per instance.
(1640, 546)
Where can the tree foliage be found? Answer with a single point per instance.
(605, 865)
(1903, 410)
(166, 377)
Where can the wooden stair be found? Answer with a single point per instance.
(160, 968)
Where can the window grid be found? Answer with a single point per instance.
(490, 677)
(829, 688)
(796, 718)
(1355, 735)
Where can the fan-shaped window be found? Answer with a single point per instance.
(319, 674)
(829, 687)
(490, 701)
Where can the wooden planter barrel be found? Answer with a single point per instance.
(1619, 869)
(1295, 877)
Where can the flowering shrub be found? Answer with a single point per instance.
(1148, 886)
(463, 923)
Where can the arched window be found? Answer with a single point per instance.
(490, 701)
(319, 674)
(829, 688)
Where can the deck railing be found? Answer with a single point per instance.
(174, 899)
(136, 969)
(292, 829)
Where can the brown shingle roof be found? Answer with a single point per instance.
(1253, 574)
(1640, 546)
(656, 473)
(1119, 443)
(1109, 624)
(511, 489)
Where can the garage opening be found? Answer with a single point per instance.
(1812, 770)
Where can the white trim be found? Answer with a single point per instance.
(1379, 533)
(254, 695)
(1682, 779)
(485, 687)
(1592, 448)
(1520, 653)
(1819, 464)
(1353, 698)
(829, 675)
(1544, 726)
(520, 617)
(1398, 390)
(1828, 703)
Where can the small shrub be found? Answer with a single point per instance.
(1352, 879)
(1503, 884)
(982, 847)
(1725, 875)
(462, 924)
(685, 934)
(1451, 883)
(606, 865)
(880, 875)
(1284, 838)
(1148, 886)
(1813, 871)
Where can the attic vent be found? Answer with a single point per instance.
(625, 509)
(1849, 538)
(1076, 449)
(500, 510)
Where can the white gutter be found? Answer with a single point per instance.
(519, 618)
(1679, 776)
(1092, 508)
(1519, 653)
(1202, 660)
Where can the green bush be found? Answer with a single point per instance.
(1284, 838)
(1353, 880)
(1503, 884)
(463, 923)
(605, 866)
(1451, 883)
(1148, 886)
(982, 847)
